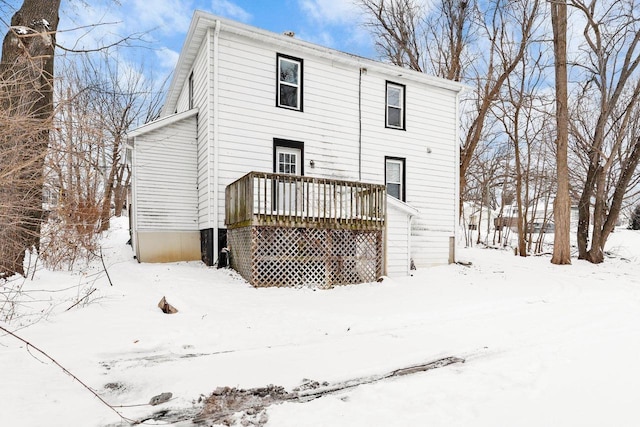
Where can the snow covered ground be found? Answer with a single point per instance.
(543, 345)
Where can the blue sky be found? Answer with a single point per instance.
(331, 23)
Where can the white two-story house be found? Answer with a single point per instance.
(349, 166)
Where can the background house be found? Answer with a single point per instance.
(243, 99)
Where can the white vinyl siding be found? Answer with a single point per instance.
(196, 90)
(202, 99)
(429, 147)
(249, 120)
(164, 178)
(398, 237)
(345, 115)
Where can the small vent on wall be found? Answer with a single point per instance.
(289, 33)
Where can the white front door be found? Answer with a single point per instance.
(288, 162)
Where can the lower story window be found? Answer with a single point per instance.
(395, 177)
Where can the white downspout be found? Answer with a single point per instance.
(134, 198)
(409, 226)
(213, 131)
(456, 219)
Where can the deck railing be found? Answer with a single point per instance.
(268, 199)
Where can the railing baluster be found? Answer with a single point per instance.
(291, 200)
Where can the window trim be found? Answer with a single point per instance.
(403, 178)
(402, 107)
(287, 143)
(300, 85)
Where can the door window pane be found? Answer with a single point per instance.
(287, 163)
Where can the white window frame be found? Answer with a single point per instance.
(400, 106)
(401, 183)
(297, 86)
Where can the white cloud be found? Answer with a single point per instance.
(230, 10)
(167, 58)
(167, 16)
(337, 24)
(105, 22)
(331, 11)
(91, 27)
(322, 38)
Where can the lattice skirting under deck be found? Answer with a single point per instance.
(296, 257)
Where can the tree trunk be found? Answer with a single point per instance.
(522, 242)
(26, 108)
(562, 203)
(608, 219)
(615, 86)
(120, 190)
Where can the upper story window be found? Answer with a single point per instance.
(395, 177)
(395, 113)
(191, 90)
(289, 92)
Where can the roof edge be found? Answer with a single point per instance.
(202, 20)
(402, 206)
(161, 122)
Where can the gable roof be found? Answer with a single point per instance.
(203, 21)
(160, 123)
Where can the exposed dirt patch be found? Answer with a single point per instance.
(228, 405)
(232, 406)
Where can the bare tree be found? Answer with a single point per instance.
(523, 112)
(438, 40)
(611, 55)
(86, 166)
(73, 173)
(485, 179)
(562, 203)
(27, 119)
(122, 98)
(26, 103)
(432, 41)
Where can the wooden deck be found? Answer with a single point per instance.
(288, 230)
(269, 199)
